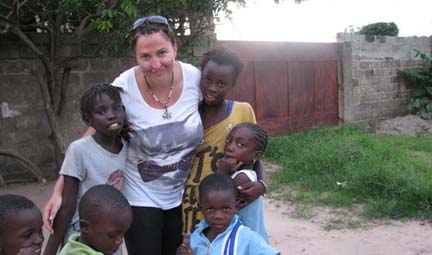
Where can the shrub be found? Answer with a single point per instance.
(380, 28)
(421, 81)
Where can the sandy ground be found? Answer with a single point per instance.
(291, 235)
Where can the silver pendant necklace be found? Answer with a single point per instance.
(167, 114)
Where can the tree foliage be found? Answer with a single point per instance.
(80, 20)
(105, 21)
(380, 28)
(421, 81)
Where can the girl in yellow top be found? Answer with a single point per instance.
(220, 70)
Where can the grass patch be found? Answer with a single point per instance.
(385, 173)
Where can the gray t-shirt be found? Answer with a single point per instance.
(92, 165)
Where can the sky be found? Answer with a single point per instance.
(321, 20)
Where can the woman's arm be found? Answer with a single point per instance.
(55, 201)
(53, 205)
(89, 131)
(64, 216)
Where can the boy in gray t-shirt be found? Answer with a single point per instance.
(92, 160)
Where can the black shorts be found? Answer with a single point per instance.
(154, 231)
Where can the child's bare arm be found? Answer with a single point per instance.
(260, 171)
(64, 215)
(241, 179)
(253, 190)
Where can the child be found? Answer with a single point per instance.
(105, 216)
(244, 145)
(92, 160)
(221, 231)
(220, 70)
(20, 226)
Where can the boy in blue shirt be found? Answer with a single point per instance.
(221, 232)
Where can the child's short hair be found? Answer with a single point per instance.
(11, 204)
(101, 198)
(223, 56)
(217, 182)
(87, 100)
(260, 134)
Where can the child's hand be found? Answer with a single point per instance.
(28, 251)
(126, 131)
(184, 248)
(250, 192)
(50, 211)
(228, 165)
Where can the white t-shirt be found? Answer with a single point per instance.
(160, 152)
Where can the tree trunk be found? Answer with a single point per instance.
(55, 137)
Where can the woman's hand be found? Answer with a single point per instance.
(184, 248)
(250, 192)
(53, 205)
(50, 211)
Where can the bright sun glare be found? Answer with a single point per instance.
(321, 20)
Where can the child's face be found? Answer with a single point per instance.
(106, 233)
(218, 208)
(216, 82)
(106, 115)
(23, 232)
(241, 145)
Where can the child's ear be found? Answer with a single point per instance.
(84, 225)
(258, 155)
(86, 119)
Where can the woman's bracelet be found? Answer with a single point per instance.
(264, 184)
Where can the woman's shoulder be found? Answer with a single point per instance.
(125, 79)
(189, 69)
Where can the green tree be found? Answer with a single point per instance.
(380, 28)
(110, 20)
(420, 79)
(80, 20)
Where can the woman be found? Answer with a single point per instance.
(161, 98)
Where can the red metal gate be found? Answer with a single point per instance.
(292, 86)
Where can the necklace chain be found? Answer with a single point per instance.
(166, 115)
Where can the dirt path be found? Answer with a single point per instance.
(297, 236)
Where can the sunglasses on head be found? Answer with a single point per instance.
(151, 19)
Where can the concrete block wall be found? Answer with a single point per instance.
(23, 122)
(371, 89)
